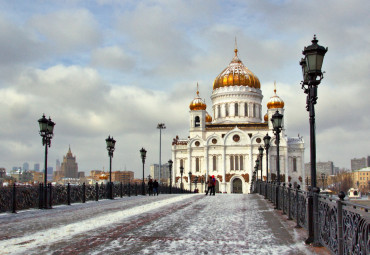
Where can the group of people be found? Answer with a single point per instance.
(153, 187)
(211, 185)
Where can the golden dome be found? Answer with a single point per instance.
(275, 101)
(197, 103)
(208, 117)
(266, 117)
(103, 177)
(236, 74)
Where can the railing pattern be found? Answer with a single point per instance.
(343, 227)
(16, 198)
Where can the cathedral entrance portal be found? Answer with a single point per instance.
(237, 186)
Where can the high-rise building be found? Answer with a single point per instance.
(226, 144)
(26, 166)
(165, 174)
(36, 167)
(358, 163)
(326, 168)
(57, 165)
(69, 167)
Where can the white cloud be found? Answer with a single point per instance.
(113, 58)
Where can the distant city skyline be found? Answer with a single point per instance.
(98, 68)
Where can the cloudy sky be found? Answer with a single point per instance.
(119, 68)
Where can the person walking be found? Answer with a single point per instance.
(155, 188)
(150, 187)
(213, 181)
(209, 184)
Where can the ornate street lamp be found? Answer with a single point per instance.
(257, 165)
(170, 162)
(277, 120)
(143, 156)
(260, 149)
(190, 173)
(47, 133)
(181, 173)
(311, 66)
(266, 140)
(110, 147)
(160, 126)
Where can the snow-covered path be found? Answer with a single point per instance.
(168, 224)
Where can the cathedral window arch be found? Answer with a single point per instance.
(196, 121)
(226, 110)
(246, 109)
(254, 110)
(197, 165)
(236, 109)
(214, 163)
(236, 162)
(231, 162)
(218, 111)
(181, 163)
(241, 163)
(294, 164)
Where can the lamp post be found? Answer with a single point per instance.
(196, 183)
(311, 66)
(257, 166)
(277, 120)
(110, 147)
(323, 179)
(170, 162)
(261, 157)
(181, 173)
(266, 140)
(47, 133)
(190, 180)
(160, 126)
(143, 156)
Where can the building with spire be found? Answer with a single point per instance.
(225, 145)
(68, 168)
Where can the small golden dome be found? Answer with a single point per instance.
(266, 117)
(197, 103)
(208, 117)
(103, 177)
(236, 74)
(275, 101)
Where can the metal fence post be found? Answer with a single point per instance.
(41, 188)
(129, 189)
(136, 188)
(83, 193)
(50, 196)
(297, 206)
(289, 202)
(14, 199)
(121, 189)
(96, 191)
(68, 194)
(341, 196)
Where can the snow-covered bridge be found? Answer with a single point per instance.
(167, 224)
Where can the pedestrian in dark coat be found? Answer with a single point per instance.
(150, 187)
(213, 185)
(209, 184)
(155, 187)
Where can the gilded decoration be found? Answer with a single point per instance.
(236, 74)
(275, 101)
(197, 103)
(228, 177)
(208, 117)
(219, 177)
(246, 177)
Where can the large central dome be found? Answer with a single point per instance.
(236, 74)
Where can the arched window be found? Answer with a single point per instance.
(226, 110)
(196, 121)
(236, 109)
(254, 110)
(231, 162)
(218, 111)
(197, 164)
(245, 109)
(181, 162)
(236, 162)
(294, 164)
(241, 163)
(214, 159)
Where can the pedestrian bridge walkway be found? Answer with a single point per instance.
(167, 224)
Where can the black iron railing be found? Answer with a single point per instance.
(343, 227)
(15, 198)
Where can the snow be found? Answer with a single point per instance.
(167, 224)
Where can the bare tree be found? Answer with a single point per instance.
(341, 182)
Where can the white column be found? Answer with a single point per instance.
(286, 165)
